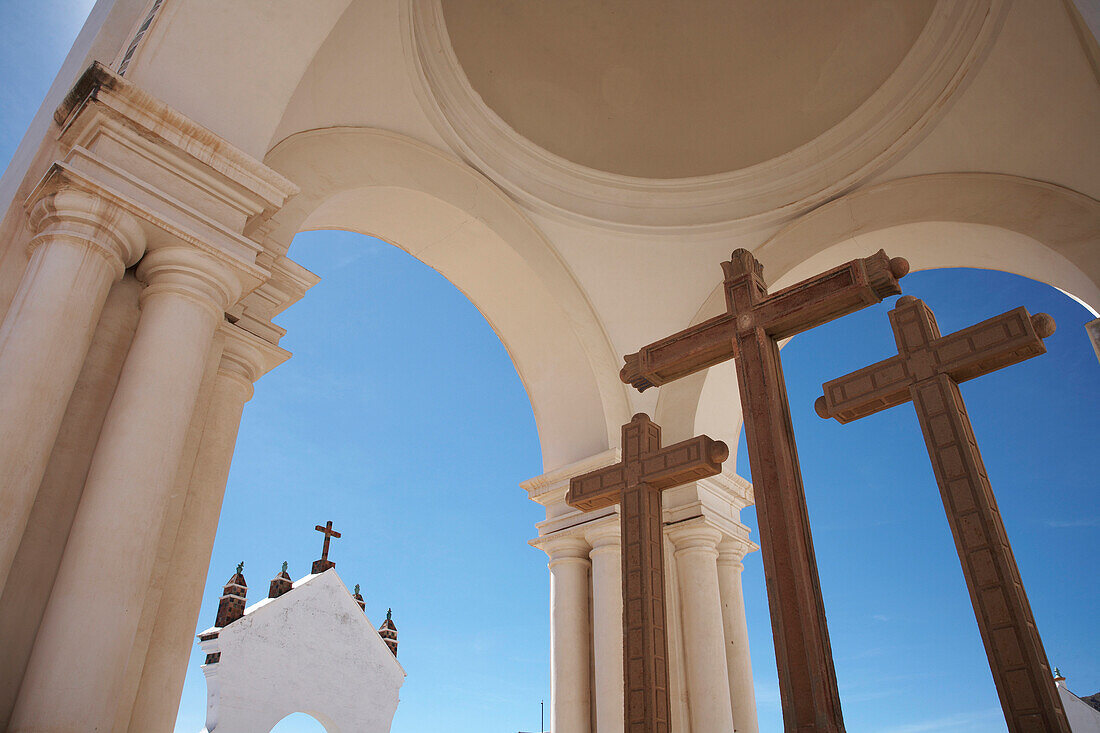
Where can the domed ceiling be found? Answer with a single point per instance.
(660, 89)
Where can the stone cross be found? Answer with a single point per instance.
(748, 332)
(636, 483)
(927, 372)
(319, 566)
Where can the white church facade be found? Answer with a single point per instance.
(145, 222)
(308, 647)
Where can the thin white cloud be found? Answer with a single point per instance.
(947, 724)
(1086, 522)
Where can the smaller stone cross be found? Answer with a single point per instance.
(927, 371)
(636, 483)
(320, 566)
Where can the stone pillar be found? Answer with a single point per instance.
(701, 613)
(607, 624)
(80, 655)
(83, 246)
(570, 635)
(243, 361)
(738, 663)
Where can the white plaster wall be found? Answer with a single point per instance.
(312, 650)
(1082, 718)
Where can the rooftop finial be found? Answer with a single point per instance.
(1057, 673)
(389, 614)
(284, 566)
(356, 588)
(240, 567)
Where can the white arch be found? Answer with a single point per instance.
(980, 220)
(318, 718)
(454, 220)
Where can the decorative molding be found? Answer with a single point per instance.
(247, 355)
(62, 175)
(953, 43)
(101, 87)
(550, 487)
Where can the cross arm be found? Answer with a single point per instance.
(688, 460)
(865, 392)
(596, 489)
(995, 343)
(681, 354)
(830, 295)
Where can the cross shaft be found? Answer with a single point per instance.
(927, 371)
(636, 483)
(748, 333)
(324, 563)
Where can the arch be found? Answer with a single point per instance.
(298, 722)
(451, 218)
(980, 220)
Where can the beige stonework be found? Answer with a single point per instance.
(148, 213)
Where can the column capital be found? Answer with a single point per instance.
(732, 551)
(693, 536)
(85, 219)
(191, 273)
(565, 549)
(246, 357)
(604, 535)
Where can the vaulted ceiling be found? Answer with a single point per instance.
(668, 90)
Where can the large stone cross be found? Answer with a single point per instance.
(927, 372)
(636, 483)
(748, 333)
(320, 566)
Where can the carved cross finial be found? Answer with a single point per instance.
(329, 533)
(356, 591)
(389, 614)
(284, 566)
(741, 262)
(240, 567)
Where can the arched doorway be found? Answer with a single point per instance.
(299, 723)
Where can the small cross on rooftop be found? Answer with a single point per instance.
(319, 566)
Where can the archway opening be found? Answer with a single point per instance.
(299, 723)
(904, 638)
(401, 418)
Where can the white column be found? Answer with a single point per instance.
(83, 246)
(739, 665)
(607, 623)
(570, 645)
(701, 614)
(74, 676)
(243, 361)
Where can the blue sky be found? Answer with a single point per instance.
(401, 418)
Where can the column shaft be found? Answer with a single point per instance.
(75, 673)
(738, 662)
(83, 246)
(173, 634)
(607, 626)
(34, 568)
(570, 638)
(704, 637)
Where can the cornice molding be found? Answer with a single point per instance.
(99, 86)
(550, 487)
(953, 43)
